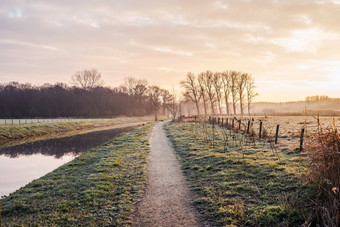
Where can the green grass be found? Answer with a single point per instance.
(242, 185)
(17, 134)
(98, 188)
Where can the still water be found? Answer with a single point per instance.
(21, 164)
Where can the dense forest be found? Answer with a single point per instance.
(85, 98)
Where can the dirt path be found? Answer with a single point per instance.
(167, 198)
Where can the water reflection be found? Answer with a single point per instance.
(60, 146)
(21, 164)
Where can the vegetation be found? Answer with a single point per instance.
(238, 181)
(216, 87)
(97, 188)
(85, 99)
(10, 134)
(324, 165)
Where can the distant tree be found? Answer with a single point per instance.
(208, 79)
(192, 90)
(87, 79)
(233, 88)
(241, 85)
(154, 94)
(226, 89)
(136, 89)
(203, 92)
(173, 105)
(166, 100)
(217, 84)
(250, 91)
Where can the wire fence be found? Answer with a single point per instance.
(27, 121)
(290, 131)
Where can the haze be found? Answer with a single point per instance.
(290, 47)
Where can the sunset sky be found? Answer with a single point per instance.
(291, 47)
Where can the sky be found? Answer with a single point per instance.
(291, 47)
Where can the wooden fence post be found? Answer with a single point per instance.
(233, 124)
(260, 131)
(222, 122)
(239, 124)
(277, 133)
(209, 119)
(226, 122)
(301, 138)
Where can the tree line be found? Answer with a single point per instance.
(215, 90)
(86, 97)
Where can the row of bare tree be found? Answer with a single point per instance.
(214, 89)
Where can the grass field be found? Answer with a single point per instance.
(98, 188)
(16, 134)
(237, 182)
(289, 127)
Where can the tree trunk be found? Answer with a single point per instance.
(198, 108)
(205, 107)
(227, 105)
(219, 106)
(212, 107)
(249, 108)
(234, 105)
(241, 104)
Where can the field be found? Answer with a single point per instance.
(17, 134)
(98, 188)
(237, 181)
(289, 129)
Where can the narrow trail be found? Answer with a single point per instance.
(167, 198)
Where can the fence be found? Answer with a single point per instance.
(27, 121)
(290, 131)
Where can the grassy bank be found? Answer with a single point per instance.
(16, 134)
(97, 188)
(245, 184)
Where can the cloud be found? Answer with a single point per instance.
(162, 40)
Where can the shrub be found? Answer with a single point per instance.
(323, 151)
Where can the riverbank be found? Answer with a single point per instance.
(17, 134)
(97, 188)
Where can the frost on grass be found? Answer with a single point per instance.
(240, 182)
(96, 189)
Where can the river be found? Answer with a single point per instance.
(21, 164)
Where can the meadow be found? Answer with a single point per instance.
(237, 181)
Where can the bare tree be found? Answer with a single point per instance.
(192, 90)
(226, 88)
(241, 85)
(250, 91)
(87, 79)
(166, 100)
(233, 88)
(208, 79)
(154, 94)
(173, 105)
(217, 84)
(202, 92)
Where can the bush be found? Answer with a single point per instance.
(323, 151)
